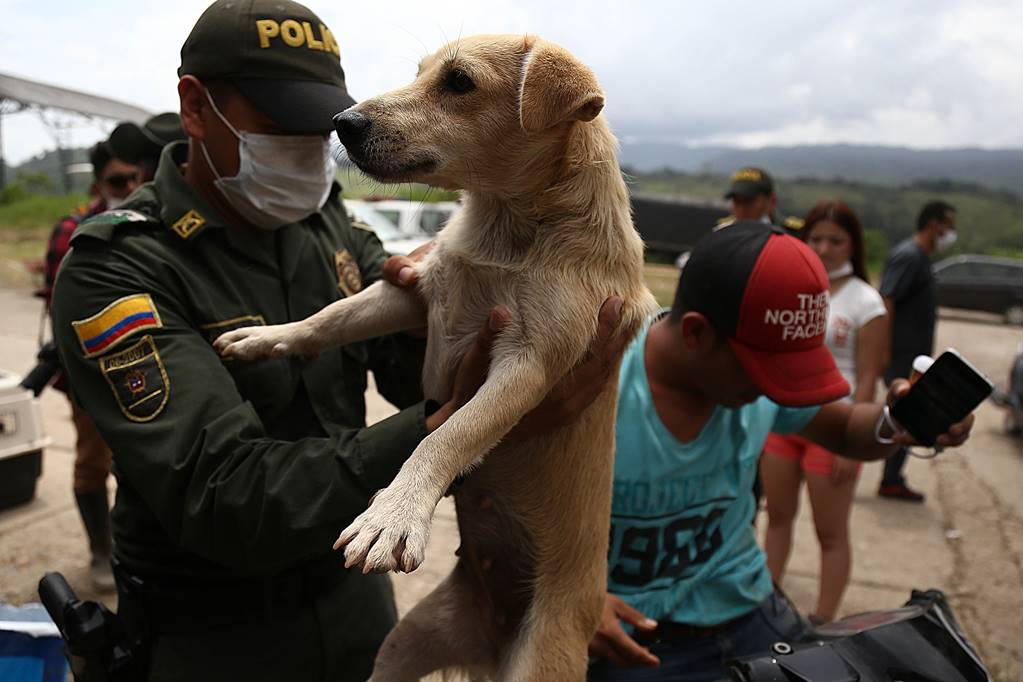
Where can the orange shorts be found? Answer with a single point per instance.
(812, 458)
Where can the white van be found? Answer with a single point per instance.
(416, 218)
(395, 241)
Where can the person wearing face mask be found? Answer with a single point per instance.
(907, 286)
(234, 479)
(113, 180)
(857, 336)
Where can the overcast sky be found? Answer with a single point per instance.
(935, 73)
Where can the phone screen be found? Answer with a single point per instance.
(943, 395)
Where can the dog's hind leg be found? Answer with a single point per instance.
(444, 630)
(553, 638)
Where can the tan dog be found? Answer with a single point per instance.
(545, 231)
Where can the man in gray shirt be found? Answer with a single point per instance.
(907, 287)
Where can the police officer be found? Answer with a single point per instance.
(752, 197)
(234, 479)
(142, 144)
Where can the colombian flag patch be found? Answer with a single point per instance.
(116, 322)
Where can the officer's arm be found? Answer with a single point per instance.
(184, 438)
(396, 360)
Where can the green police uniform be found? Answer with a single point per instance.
(235, 474)
(234, 479)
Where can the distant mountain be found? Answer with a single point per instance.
(49, 163)
(1000, 169)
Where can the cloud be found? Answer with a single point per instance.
(944, 73)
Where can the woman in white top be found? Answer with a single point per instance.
(857, 335)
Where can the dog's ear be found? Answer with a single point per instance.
(555, 88)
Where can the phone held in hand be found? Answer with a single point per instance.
(949, 390)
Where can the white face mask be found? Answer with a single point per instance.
(843, 270)
(946, 240)
(281, 178)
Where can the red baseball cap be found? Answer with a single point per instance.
(767, 292)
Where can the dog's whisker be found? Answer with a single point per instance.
(426, 50)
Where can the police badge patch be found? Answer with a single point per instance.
(138, 379)
(348, 278)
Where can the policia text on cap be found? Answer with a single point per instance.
(234, 479)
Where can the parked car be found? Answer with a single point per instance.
(395, 241)
(985, 283)
(416, 217)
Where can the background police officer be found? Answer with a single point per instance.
(235, 478)
(142, 144)
(752, 197)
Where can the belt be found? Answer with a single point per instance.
(187, 605)
(668, 631)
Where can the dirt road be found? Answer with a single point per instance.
(966, 540)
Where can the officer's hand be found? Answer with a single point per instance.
(583, 384)
(955, 436)
(401, 270)
(472, 370)
(613, 644)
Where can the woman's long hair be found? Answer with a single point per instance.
(839, 213)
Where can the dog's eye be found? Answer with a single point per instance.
(458, 81)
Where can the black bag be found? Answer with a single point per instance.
(920, 642)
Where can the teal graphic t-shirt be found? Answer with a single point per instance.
(682, 546)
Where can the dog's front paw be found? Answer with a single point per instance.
(258, 342)
(389, 536)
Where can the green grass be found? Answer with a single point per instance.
(25, 224)
(358, 185)
(36, 212)
(988, 221)
(662, 280)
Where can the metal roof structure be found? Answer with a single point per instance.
(28, 94)
(57, 107)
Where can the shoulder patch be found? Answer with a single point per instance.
(117, 216)
(724, 222)
(358, 224)
(349, 279)
(119, 320)
(103, 225)
(188, 224)
(138, 379)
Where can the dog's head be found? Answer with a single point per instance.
(480, 111)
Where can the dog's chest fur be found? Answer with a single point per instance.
(460, 290)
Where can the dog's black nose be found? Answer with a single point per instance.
(351, 126)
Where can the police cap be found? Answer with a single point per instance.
(749, 183)
(135, 143)
(282, 58)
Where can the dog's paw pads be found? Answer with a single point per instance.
(389, 536)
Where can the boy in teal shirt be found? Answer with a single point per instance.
(740, 354)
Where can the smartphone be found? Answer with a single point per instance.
(945, 394)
